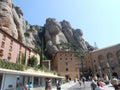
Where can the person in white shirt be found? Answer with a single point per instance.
(114, 82)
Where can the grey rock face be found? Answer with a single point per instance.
(51, 48)
(12, 21)
(68, 31)
(73, 36)
(53, 35)
(59, 35)
(20, 24)
(79, 40)
(6, 19)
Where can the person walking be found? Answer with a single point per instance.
(114, 82)
(93, 85)
(83, 81)
(48, 84)
(30, 85)
(26, 87)
(58, 85)
(79, 82)
(99, 86)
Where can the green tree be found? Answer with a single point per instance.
(23, 58)
(32, 61)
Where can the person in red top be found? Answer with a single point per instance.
(102, 84)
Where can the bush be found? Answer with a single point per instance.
(32, 61)
(12, 66)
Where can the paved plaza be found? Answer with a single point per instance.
(75, 86)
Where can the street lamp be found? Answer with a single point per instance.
(108, 67)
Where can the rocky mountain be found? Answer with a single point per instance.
(55, 35)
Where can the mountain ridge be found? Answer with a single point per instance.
(55, 35)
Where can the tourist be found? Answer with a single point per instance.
(114, 82)
(30, 85)
(93, 85)
(99, 86)
(58, 85)
(83, 81)
(48, 84)
(26, 87)
(79, 82)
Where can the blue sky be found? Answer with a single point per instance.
(98, 19)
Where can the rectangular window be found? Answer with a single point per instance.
(66, 63)
(36, 81)
(3, 44)
(1, 52)
(11, 42)
(4, 37)
(66, 69)
(10, 48)
(9, 55)
(60, 54)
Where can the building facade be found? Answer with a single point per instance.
(12, 50)
(66, 64)
(104, 62)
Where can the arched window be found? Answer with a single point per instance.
(110, 59)
(118, 56)
(101, 61)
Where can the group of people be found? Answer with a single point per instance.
(97, 85)
(28, 87)
(116, 83)
(48, 84)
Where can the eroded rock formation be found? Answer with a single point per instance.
(58, 35)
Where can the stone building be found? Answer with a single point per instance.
(104, 62)
(12, 50)
(66, 64)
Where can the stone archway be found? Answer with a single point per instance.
(111, 60)
(101, 61)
